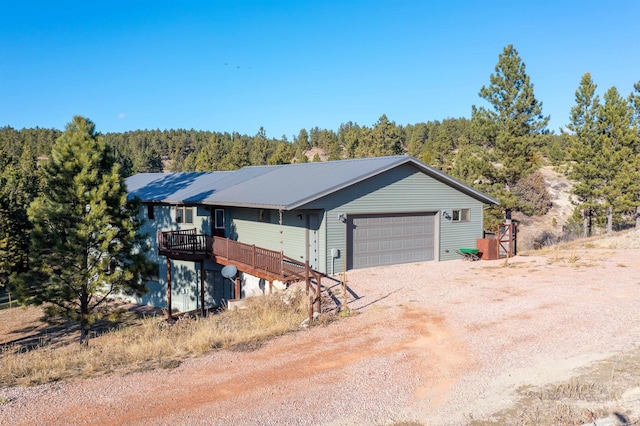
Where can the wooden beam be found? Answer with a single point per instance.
(202, 308)
(238, 289)
(169, 313)
(319, 293)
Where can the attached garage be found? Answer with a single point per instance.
(388, 239)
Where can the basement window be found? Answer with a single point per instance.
(460, 215)
(184, 214)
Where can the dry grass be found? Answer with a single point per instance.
(595, 394)
(153, 343)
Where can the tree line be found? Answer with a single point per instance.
(498, 150)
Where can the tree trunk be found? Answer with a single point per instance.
(84, 317)
(638, 217)
(585, 223)
(609, 219)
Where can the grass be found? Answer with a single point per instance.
(595, 394)
(153, 343)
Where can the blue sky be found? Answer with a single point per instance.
(288, 65)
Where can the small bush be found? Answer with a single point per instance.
(544, 239)
(534, 199)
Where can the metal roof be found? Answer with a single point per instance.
(281, 187)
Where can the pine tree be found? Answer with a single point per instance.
(85, 245)
(260, 149)
(634, 99)
(237, 158)
(516, 121)
(619, 143)
(585, 152)
(386, 138)
(17, 190)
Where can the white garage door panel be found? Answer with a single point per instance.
(376, 240)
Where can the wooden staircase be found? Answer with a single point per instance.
(263, 263)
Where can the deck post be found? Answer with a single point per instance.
(307, 276)
(282, 265)
(318, 293)
(238, 290)
(169, 314)
(270, 286)
(202, 309)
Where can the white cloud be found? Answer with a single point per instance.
(121, 115)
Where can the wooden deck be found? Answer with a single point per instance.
(257, 261)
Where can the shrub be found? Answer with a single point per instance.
(534, 199)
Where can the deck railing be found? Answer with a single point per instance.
(256, 257)
(186, 243)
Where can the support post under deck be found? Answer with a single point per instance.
(202, 308)
(169, 314)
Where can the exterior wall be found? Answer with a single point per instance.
(185, 275)
(290, 237)
(401, 190)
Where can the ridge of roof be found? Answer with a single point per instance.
(283, 187)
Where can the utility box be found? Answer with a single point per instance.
(488, 247)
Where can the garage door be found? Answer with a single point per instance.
(375, 240)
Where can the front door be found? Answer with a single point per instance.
(312, 224)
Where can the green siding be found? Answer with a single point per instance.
(400, 190)
(290, 237)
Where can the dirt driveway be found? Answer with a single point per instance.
(431, 343)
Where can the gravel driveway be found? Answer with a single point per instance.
(431, 343)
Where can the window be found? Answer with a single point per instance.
(460, 215)
(264, 215)
(150, 213)
(219, 219)
(184, 214)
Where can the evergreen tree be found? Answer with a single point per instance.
(237, 158)
(260, 149)
(634, 99)
(585, 153)
(516, 120)
(17, 190)
(85, 245)
(282, 154)
(349, 136)
(620, 165)
(386, 138)
(417, 136)
(301, 142)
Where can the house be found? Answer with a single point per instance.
(333, 216)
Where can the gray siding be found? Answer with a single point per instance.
(403, 189)
(185, 276)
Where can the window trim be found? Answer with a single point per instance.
(183, 213)
(461, 215)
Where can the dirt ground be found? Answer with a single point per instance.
(448, 343)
